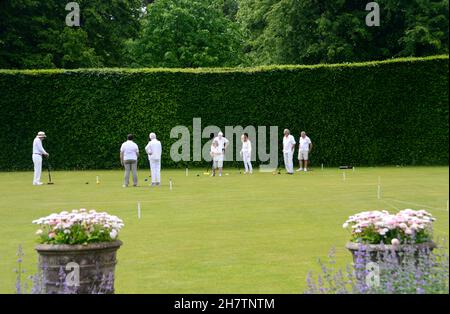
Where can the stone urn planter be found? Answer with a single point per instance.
(375, 262)
(378, 252)
(77, 252)
(81, 269)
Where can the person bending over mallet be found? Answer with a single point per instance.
(129, 153)
(222, 143)
(288, 151)
(38, 152)
(304, 148)
(153, 150)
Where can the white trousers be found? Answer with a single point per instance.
(246, 157)
(155, 167)
(37, 161)
(288, 163)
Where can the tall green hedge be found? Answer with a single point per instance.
(377, 113)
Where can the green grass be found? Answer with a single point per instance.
(235, 234)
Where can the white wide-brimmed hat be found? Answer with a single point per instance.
(41, 134)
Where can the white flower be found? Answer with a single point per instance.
(113, 234)
(39, 232)
(383, 231)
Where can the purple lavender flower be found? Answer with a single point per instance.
(408, 270)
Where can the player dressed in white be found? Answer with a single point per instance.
(217, 157)
(38, 152)
(222, 144)
(153, 150)
(288, 151)
(246, 153)
(304, 148)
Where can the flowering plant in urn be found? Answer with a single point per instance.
(78, 227)
(406, 226)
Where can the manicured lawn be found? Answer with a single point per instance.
(234, 234)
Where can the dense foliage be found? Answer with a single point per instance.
(33, 33)
(186, 33)
(220, 33)
(378, 113)
(312, 31)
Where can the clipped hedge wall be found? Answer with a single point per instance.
(377, 113)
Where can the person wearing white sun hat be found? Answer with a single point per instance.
(38, 152)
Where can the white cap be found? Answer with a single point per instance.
(152, 136)
(220, 134)
(41, 134)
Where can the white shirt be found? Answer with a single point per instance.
(216, 152)
(287, 143)
(37, 147)
(130, 150)
(246, 147)
(304, 144)
(222, 142)
(154, 149)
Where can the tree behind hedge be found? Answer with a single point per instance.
(185, 33)
(33, 33)
(334, 31)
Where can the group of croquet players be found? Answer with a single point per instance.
(129, 154)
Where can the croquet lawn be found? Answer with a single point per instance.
(230, 234)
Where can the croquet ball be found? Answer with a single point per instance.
(198, 175)
(87, 182)
(274, 173)
(145, 179)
